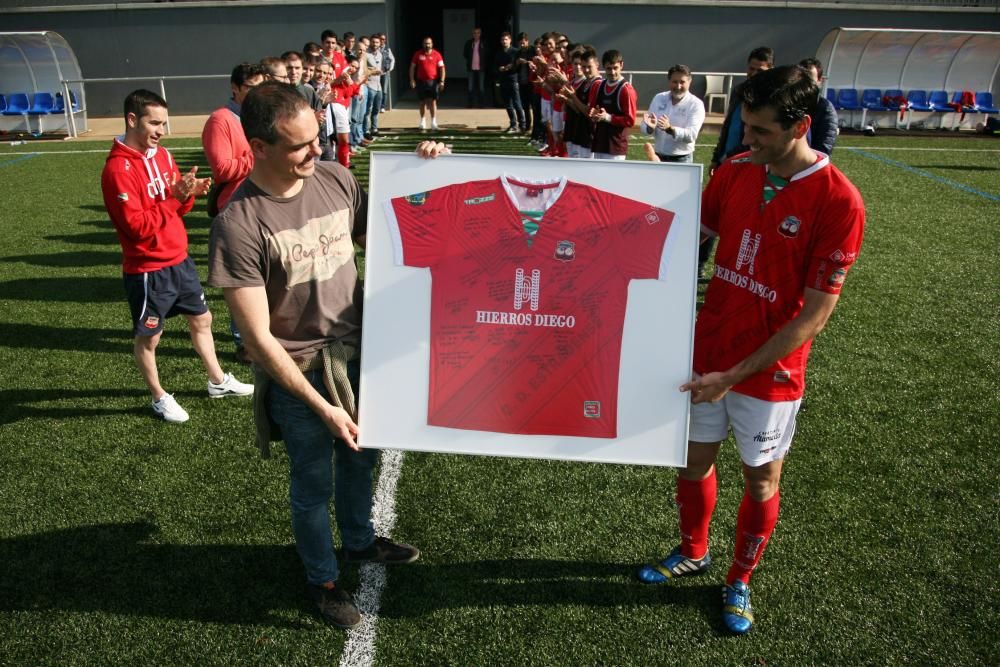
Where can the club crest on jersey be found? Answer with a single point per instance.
(789, 227)
(151, 322)
(418, 199)
(837, 277)
(592, 409)
(652, 218)
(122, 196)
(565, 251)
(479, 200)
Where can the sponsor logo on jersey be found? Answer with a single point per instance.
(592, 409)
(748, 251)
(123, 196)
(839, 256)
(741, 160)
(565, 251)
(479, 200)
(525, 289)
(745, 282)
(652, 218)
(837, 277)
(151, 322)
(782, 376)
(418, 199)
(789, 227)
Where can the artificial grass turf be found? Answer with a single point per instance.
(126, 539)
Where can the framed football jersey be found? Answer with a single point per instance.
(528, 307)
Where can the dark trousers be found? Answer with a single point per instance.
(512, 100)
(527, 100)
(476, 84)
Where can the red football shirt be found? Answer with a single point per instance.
(427, 64)
(526, 330)
(807, 236)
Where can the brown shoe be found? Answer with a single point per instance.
(336, 606)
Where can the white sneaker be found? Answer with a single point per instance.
(423, 125)
(434, 124)
(167, 408)
(229, 386)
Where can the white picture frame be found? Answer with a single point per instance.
(657, 341)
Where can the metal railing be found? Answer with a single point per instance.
(727, 85)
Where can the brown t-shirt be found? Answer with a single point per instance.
(301, 249)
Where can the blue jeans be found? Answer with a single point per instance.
(320, 467)
(476, 90)
(372, 109)
(358, 116)
(512, 98)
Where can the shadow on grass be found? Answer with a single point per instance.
(114, 568)
(107, 236)
(18, 404)
(68, 259)
(69, 289)
(419, 589)
(38, 338)
(956, 167)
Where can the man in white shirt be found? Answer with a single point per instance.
(675, 118)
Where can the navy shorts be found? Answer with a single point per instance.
(157, 295)
(427, 90)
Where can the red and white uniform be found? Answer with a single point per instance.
(806, 237)
(526, 336)
(136, 189)
(428, 65)
(619, 100)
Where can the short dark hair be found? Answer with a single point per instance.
(291, 55)
(327, 33)
(521, 36)
(589, 52)
(311, 47)
(137, 101)
(765, 54)
(265, 105)
(679, 69)
(788, 89)
(348, 35)
(812, 62)
(612, 56)
(269, 65)
(244, 71)
(506, 34)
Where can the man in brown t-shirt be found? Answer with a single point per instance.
(283, 253)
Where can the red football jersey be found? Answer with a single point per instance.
(428, 65)
(807, 236)
(526, 329)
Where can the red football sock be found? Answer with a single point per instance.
(695, 503)
(754, 525)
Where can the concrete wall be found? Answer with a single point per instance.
(179, 40)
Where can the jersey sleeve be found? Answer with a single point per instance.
(837, 245)
(642, 234)
(420, 226)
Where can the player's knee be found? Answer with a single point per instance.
(762, 487)
(201, 322)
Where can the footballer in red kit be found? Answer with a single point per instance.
(530, 284)
(790, 227)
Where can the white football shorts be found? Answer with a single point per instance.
(763, 429)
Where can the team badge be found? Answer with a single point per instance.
(565, 251)
(122, 196)
(418, 199)
(789, 227)
(837, 256)
(151, 322)
(592, 409)
(652, 218)
(837, 277)
(782, 376)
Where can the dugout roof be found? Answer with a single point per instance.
(38, 62)
(883, 58)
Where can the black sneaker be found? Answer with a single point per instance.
(382, 550)
(336, 606)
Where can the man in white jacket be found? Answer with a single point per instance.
(675, 118)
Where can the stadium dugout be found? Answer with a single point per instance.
(896, 76)
(34, 70)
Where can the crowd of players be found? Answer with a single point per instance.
(789, 225)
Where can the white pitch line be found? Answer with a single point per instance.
(359, 651)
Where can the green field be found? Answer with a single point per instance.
(125, 540)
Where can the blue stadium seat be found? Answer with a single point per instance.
(17, 105)
(893, 94)
(3, 103)
(938, 101)
(41, 105)
(918, 100)
(984, 102)
(831, 94)
(847, 99)
(871, 99)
